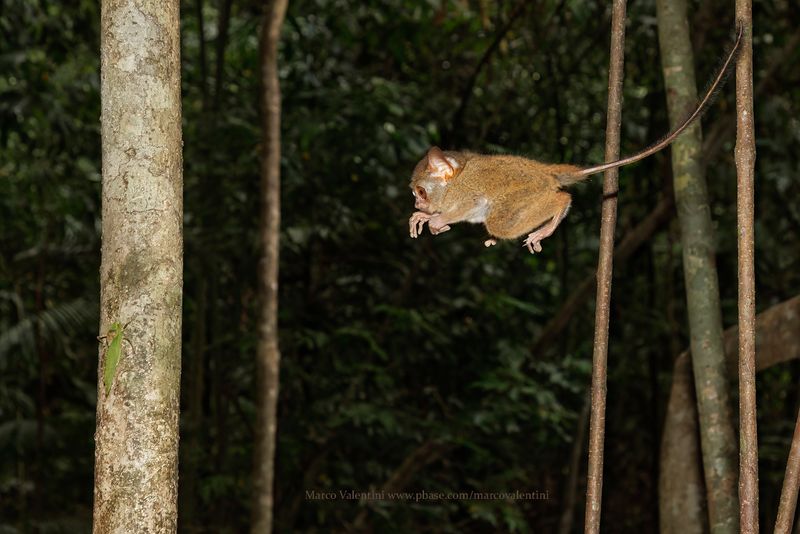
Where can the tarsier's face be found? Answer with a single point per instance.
(430, 179)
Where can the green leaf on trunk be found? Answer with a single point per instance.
(113, 353)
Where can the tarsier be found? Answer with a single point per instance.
(513, 195)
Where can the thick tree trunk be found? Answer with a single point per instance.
(718, 438)
(141, 276)
(268, 357)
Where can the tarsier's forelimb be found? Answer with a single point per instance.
(417, 222)
(436, 223)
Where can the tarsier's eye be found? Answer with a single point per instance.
(421, 193)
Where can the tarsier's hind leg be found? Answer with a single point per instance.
(533, 241)
(524, 211)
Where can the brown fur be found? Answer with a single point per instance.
(511, 195)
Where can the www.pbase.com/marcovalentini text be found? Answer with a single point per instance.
(417, 496)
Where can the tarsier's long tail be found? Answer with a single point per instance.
(708, 98)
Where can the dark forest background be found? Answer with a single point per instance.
(405, 362)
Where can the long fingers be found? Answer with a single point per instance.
(416, 222)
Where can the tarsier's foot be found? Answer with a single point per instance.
(489, 242)
(417, 222)
(533, 242)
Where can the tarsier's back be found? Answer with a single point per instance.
(510, 172)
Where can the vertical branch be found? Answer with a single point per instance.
(594, 491)
(791, 481)
(745, 167)
(268, 353)
(718, 437)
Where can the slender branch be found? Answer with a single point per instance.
(745, 169)
(268, 350)
(594, 490)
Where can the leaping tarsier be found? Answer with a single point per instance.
(513, 195)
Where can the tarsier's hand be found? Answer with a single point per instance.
(437, 225)
(417, 222)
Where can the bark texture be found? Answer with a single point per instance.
(680, 485)
(718, 438)
(605, 267)
(745, 198)
(141, 275)
(268, 354)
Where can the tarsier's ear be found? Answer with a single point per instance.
(439, 165)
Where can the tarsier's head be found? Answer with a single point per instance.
(430, 179)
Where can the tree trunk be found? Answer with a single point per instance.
(141, 275)
(268, 354)
(718, 438)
